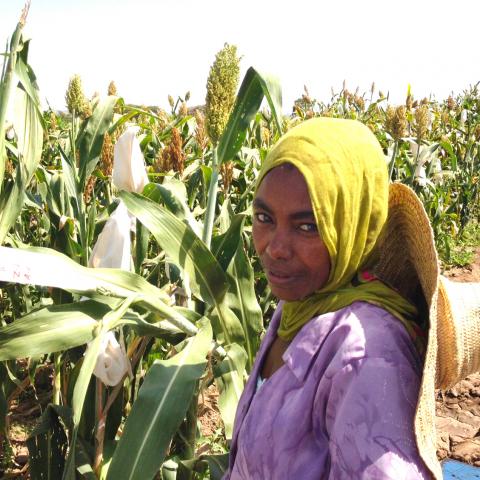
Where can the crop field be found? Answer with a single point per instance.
(130, 293)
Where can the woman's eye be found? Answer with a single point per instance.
(308, 227)
(262, 217)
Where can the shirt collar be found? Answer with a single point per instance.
(303, 350)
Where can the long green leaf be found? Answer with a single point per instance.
(51, 329)
(173, 194)
(273, 93)
(60, 327)
(28, 80)
(225, 246)
(207, 279)
(28, 126)
(249, 99)
(242, 300)
(90, 138)
(159, 409)
(229, 378)
(5, 90)
(44, 266)
(72, 185)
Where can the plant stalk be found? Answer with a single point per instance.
(100, 434)
(57, 379)
(412, 180)
(211, 202)
(6, 85)
(392, 161)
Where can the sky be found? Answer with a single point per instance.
(155, 48)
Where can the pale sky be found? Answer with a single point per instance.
(155, 48)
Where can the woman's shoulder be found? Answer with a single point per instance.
(364, 330)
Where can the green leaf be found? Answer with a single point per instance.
(229, 378)
(6, 89)
(182, 245)
(79, 392)
(28, 125)
(28, 80)
(225, 246)
(90, 138)
(249, 99)
(207, 279)
(51, 329)
(47, 267)
(449, 149)
(173, 194)
(159, 409)
(141, 246)
(47, 444)
(217, 464)
(242, 299)
(69, 174)
(60, 327)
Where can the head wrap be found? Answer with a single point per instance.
(346, 175)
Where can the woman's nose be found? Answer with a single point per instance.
(279, 246)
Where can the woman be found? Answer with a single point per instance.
(334, 388)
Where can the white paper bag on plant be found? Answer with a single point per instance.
(128, 163)
(113, 247)
(112, 362)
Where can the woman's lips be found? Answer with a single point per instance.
(279, 278)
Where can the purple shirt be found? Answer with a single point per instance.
(341, 407)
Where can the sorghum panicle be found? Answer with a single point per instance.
(222, 86)
(396, 121)
(183, 109)
(409, 101)
(226, 169)
(112, 88)
(87, 194)
(200, 132)
(451, 104)
(74, 96)
(422, 119)
(172, 156)
(106, 163)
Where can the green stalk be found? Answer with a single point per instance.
(188, 432)
(211, 201)
(57, 379)
(82, 221)
(415, 163)
(6, 85)
(392, 161)
(191, 433)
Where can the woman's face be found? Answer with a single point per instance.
(285, 235)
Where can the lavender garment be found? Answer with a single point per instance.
(341, 407)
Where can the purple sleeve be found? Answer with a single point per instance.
(368, 420)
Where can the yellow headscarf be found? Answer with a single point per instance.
(346, 175)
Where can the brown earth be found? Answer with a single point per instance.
(458, 409)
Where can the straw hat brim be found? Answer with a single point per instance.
(406, 259)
